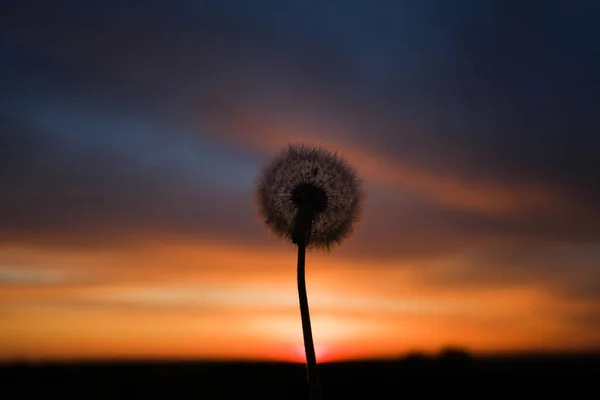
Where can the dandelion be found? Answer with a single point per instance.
(310, 197)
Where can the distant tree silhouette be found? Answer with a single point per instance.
(455, 354)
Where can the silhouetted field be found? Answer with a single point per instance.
(450, 375)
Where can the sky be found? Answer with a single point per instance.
(132, 134)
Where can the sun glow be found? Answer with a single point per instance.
(119, 304)
(322, 353)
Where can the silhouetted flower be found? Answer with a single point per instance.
(311, 197)
(309, 187)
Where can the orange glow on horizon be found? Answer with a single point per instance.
(124, 305)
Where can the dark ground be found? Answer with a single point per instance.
(453, 375)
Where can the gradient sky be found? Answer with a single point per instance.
(131, 135)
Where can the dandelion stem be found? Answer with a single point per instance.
(309, 347)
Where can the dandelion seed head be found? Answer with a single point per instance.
(317, 181)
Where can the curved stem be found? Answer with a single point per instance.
(309, 347)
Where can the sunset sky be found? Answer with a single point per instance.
(132, 133)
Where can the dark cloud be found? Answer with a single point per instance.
(119, 184)
(114, 115)
(569, 270)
